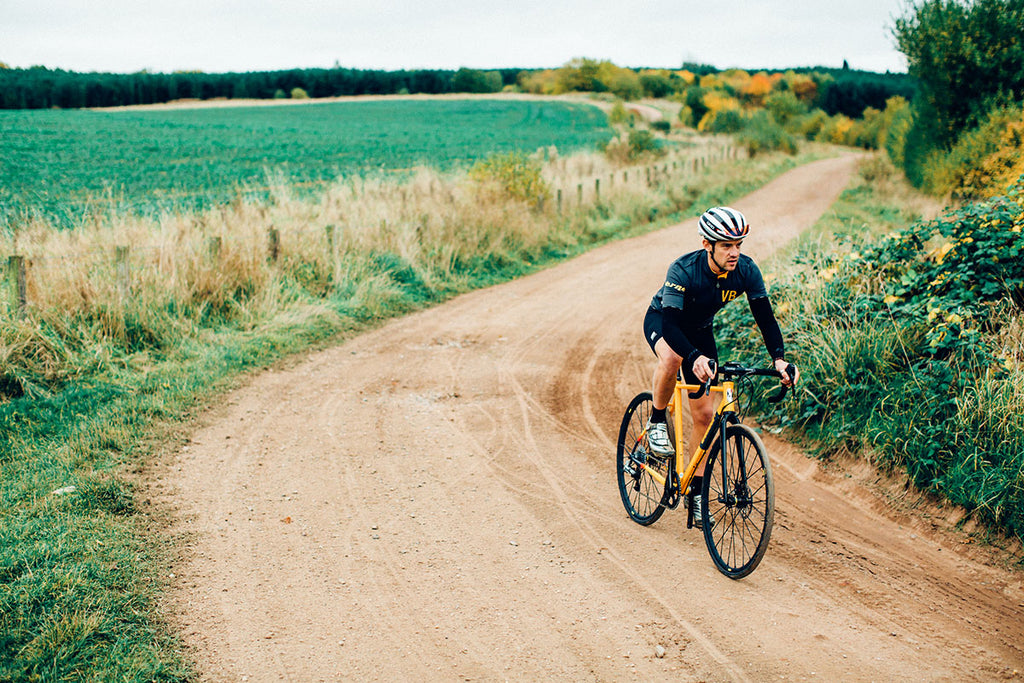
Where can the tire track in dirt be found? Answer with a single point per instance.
(436, 499)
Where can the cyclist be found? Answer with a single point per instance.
(679, 324)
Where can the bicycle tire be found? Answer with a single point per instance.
(741, 505)
(642, 496)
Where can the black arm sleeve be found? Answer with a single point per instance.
(672, 331)
(769, 326)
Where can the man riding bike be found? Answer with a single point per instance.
(679, 325)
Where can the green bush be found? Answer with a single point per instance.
(903, 346)
(810, 125)
(513, 174)
(899, 117)
(694, 99)
(962, 170)
(625, 85)
(643, 142)
(299, 94)
(762, 134)
(785, 107)
(655, 85)
(727, 121)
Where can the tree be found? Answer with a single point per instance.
(784, 106)
(967, 56)
(655, 84)
(475, 81)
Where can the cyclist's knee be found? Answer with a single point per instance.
(667, 358)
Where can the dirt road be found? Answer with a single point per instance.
(436, 500)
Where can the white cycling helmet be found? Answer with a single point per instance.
(721, 223)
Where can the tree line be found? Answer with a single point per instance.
(43, 88)
(840, 91)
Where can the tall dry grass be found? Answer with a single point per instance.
(119, 288)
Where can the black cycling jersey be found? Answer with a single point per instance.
(692, 287)
(686, 305)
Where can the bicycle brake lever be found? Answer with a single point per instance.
(705, 388)
(785, 388)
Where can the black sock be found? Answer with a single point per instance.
(695, 485)
(658, 415)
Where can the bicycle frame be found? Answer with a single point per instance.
(725, 412)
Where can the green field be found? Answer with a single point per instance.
(66, 163)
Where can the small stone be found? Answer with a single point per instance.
(659, 652)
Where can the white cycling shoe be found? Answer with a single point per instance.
(698, 513)
(657, 438)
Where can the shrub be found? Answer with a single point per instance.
(626, 85)
(299, 94)
(926, 308)
(986, 160)
(723, 121)
(899, 118)
(655, 84)
(762, 134)
(513, 175)
(784, 106)
(643, 142)
(694, 100)
(619, 114)
(661, 126)
(810, 126)
(836, 130)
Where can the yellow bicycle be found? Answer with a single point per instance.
(738, 491)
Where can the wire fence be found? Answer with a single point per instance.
(26, 269)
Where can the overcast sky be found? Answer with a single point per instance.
(252, 35)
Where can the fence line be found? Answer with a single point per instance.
(19, 265)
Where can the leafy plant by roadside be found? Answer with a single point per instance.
(912, 351)
(514, 175)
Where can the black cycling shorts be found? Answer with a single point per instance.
(702, 338)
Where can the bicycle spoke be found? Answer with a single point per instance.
(642, 496)
(740, 502)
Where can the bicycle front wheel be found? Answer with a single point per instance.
(642, 496)
(739, 501)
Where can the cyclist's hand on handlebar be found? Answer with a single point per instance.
(702, 369)
(789, 372)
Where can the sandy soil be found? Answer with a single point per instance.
(436, 500)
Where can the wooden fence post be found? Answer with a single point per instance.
(123, 273)
(213, 249)
(597, 189)
(559, 199)
(16, 278)
(579, 194)
(329, 229)
(273, 244)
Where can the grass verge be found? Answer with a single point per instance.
(910, 343)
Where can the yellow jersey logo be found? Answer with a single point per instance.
(728, 295)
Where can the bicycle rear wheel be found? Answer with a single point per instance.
(642, 496)
(739, 501)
